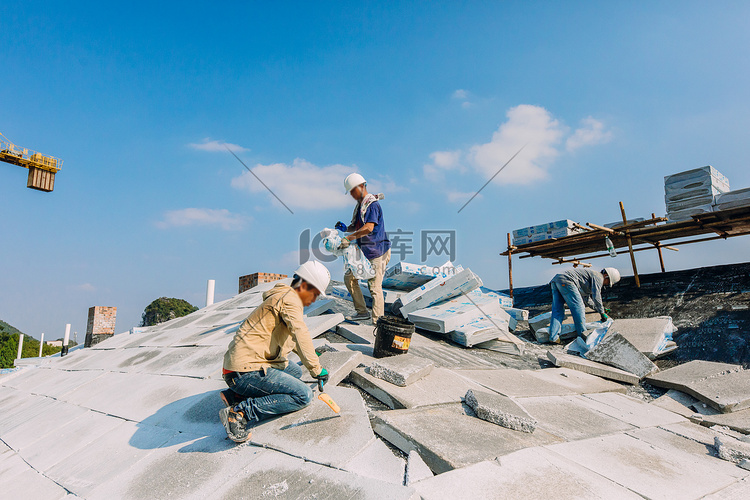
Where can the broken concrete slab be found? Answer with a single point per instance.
(339, 366)
(738, 421)
(446, 355)
(677, 402)
(578, 363)
(450, 436)
(318, 434)
(517, 314)
(416, 469)
(547, 382)
(732, 450)
(630, 410)
(529, 473)
(724, 386)
(571, 417)
(648, 335)
(500, 410)
(359, 334)
(401, 370)
(378, 462)
(438, 387)
(665, 439)
(450, 314)
(651, 471)
(615, 350)
(441, 288)
(318, 325)
(276, 475)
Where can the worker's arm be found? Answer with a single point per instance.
(363, 231)
(292, 314)
(596, 296)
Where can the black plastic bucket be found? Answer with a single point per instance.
(392, 337)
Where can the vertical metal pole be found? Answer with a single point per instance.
(20, 345)
(658, 249)
(630, 247)
(510, 268)
(66, 340)
(41, 344)
(210, 287)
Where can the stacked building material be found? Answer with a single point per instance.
(692, 192)
(547, 231)
(732, 199)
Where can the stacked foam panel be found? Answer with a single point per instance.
(548, 231)
(692, 192)
(732, 199)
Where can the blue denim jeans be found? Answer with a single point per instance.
(565, 292)
(270, 393)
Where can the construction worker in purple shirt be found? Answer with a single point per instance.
(368, 230)
(577, 287)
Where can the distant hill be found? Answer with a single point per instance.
(163, 309)
(9, 345)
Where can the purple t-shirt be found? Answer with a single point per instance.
(376, 243)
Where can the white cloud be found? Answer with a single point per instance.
(459, 196)
(461, 94)
(442, 161)
(591, 133)
(221, 218)
(209, 145)
(529, 126)
(384, 184)
(300, 185)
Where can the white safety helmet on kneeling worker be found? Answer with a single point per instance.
(352, 181)
(613, 273)
(316, 274)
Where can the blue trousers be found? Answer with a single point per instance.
(564, 292)
(270, 393)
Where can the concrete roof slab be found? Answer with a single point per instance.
(449, 436)
(547, 382)
(630, 410)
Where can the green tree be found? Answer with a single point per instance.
(9, 346)
(163, 309)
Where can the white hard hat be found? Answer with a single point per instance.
(352, 181)
(614, 275)
(316, 274)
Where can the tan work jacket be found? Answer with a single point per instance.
(270, 333)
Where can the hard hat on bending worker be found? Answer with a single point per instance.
(262, 382)
(367, 228)
(576, 287)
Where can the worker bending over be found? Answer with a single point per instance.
(576, 287)
(262, 383)
(368, 229)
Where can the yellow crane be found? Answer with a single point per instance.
(42, 168)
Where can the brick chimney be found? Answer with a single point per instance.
(251, 280)
(101, 324)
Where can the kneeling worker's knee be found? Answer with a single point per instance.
(304, 397)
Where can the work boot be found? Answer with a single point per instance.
(359, 317)
(229, 398)
(235, 423)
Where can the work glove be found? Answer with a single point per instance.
(604, 317)
(322, 376)
(340, 226)
(344, 244)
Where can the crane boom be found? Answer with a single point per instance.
(42, 168)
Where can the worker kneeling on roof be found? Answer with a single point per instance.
(576, 287)
(262, 383)
(368, 229)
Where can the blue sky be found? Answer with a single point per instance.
(425, 99)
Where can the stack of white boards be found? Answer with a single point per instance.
(547, 231)
(692, 192)
(732, 199)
